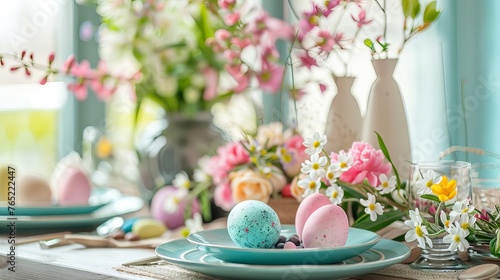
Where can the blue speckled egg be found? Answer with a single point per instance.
(253, 224)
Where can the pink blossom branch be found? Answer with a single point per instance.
(100, 80)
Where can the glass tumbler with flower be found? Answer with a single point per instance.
(440, 194)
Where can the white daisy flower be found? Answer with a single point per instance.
(181, 181)
(195, 224)
(172, 203)
(418, 231)
(310, 185)
(344, 161)
(315, 167)
(315, 144)
(332, 173)
(424, 185)
(466, 222)
(335, 194)
(373, 208)
(456, 238)
(200, 176)
(444, 219)
(386, 186)
(461, 207)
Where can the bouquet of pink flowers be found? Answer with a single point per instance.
(259, 167)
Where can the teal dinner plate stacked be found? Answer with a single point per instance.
(212, 252)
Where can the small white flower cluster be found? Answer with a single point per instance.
(317, 168)
(457, 224)
(323, 168)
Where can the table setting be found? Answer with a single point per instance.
(214, 159)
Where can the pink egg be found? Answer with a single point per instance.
(306, 208)
(171, 220)
(73, 187)
(327, 227)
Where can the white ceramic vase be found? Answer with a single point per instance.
(386, 115)
(344, 121)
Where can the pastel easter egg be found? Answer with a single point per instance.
(253, 224)
(310, 204)
(170, 220)
(148, 228)
(73, 188)
(327, 227)
(128, 224)
(33, 190)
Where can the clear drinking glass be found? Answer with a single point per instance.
(486, 185)
(422, 176)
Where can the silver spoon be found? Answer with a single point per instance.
(104, 230)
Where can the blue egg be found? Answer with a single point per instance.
(128, 224)
(253, 224)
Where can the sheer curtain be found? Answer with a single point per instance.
(35, 120)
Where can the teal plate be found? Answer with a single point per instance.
(52, 210)
(218, 244)
(80, 222)
(184, 254)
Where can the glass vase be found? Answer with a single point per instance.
(175, 144)
(438, 257)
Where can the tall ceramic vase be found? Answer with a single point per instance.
(386, 115)
(343, 124)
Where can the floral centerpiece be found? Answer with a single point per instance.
(260, 167)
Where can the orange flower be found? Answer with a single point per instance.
(445, 190)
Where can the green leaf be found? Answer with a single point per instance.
(388, 157)
(431, 197)
(382, 221)
(369, 43)
(416, 9)
(349, 192)
(411, 8)
(431, 13)
(206, 211)
(406, 5)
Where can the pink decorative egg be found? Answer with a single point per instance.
(73, 187)
(171, 220)
(306, 208)
(327, 227)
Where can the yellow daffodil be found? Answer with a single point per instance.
(445, 190)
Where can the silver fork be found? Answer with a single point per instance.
(145, 261)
